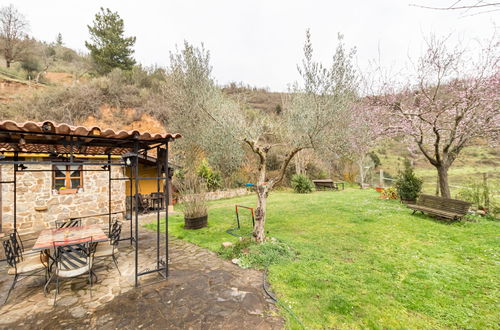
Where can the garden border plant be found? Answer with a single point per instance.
(408, 185)
(301, 184)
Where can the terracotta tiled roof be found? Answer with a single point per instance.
(43, 137)
(61, 128)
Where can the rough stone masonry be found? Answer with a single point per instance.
(39, 206)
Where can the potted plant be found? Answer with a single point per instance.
(408, 185)
(192, 191)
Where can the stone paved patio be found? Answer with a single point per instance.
(202, 292)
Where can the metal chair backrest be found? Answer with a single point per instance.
(114, 235)
(69, 223)
(11, 256)
(17, 244)
(74, 256)
(142, 201)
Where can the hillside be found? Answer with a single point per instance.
(469, 167)
(256, 98)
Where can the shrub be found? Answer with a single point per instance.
(408, 185)
(30, 65)
(301, 184)
(212, 178)
(389, 193)
(480, 194)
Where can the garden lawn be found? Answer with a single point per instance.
(367, 262)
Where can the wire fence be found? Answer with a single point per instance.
(382, 181)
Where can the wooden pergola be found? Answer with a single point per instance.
(122, 148)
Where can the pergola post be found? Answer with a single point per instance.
(158, 175)
(109, 193)
(166, 197)
(135, 170)
(16, 158)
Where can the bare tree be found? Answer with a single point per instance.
(80, 66)
(308, 121)
(13, 33)
(366, 126)
(449, 102)
(474, 7)
(47, 56)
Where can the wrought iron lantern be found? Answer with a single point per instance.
(129, 158)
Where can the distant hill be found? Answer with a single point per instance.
(256, 98)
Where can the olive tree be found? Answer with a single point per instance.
(309, 119)
(190, 94)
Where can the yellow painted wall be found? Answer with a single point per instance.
(145, 186)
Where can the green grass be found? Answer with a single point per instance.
(363, 262)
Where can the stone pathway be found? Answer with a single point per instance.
(202, 292)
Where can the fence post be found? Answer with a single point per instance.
(381, 178)
(486, 191)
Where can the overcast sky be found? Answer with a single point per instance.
(260, 42)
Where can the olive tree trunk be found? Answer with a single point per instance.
(260, 213)
(264, 186)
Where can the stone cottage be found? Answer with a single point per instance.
(67, 192)
(59, 174)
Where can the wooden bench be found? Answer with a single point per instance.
(327, 184)
(442, 207)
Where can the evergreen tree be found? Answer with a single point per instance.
(109, 48)
(59, 40)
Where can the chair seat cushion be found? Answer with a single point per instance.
(104, 250)
(29, 264)
(73, 272)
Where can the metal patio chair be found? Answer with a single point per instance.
(75, 222)
(108, 250)
(18, 245)
(21, 267)
(72, 261)
(144, 203)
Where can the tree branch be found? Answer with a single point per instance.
(283, 167)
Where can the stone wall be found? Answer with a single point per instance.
(229, 193)
(38, 207)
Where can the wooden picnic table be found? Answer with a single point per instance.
(327, 183)
(69, 236)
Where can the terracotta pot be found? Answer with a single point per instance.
(195, 223)
(379, 189)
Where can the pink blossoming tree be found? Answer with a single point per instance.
(450, 102)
